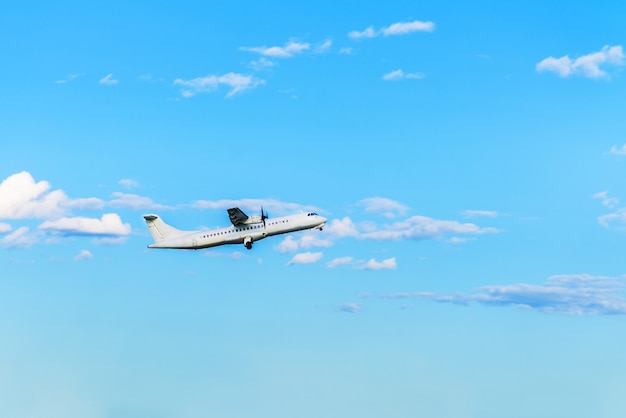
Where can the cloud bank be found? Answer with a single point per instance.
(574, 294)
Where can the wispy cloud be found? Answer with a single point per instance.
(238, 83)
(399, 28)
(136, 202)
(68, 78)
(128, 183)
(109, 225)
(149, 78)
(470, 213)
(349, 308)
(617, 216)
(371, 264)
(273, 206)
(340, 261)
(323, 47)
(397, 75)
(586, 65)
(261, 64)
(606, 199)
(290, 49)
(459, 240)
(574, 294)
(382, 205)
(618, 151)
(346, 51)
(21, 237)
(305, 258)
(108, 80)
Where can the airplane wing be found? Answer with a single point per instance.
(237, 217)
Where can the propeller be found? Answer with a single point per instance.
(263, 216)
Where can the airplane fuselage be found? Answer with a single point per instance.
(242, 234)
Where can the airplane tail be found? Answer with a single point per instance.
(160, 230)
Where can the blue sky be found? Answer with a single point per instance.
(469, 158)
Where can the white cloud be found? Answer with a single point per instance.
(422, 227)
(136, 202)
(109, 225)
(21, 197)
(372, 264)
(618, 151)
(342, 228)
(84, 255)
(387, 207)
(306, 241)
(305, 258)
(128, 183)
(399, 28)
(402, 28)
(288, 245)
(108, 80)
(340, 261)
(349, 308)
(4, 228)
(21, 237)
(290, 49)
(367, 33)
(575, 294)
(346, 51)
(480, 213)
(586, 65)
(415, 227)
(238, 83)
(606, 200)
(401, 75)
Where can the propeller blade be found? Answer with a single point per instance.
(263, 216)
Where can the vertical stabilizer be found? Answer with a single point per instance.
(160, 230)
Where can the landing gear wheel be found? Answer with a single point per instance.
(248, 245)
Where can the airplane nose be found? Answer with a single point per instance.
(323, 219)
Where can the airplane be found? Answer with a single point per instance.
(245, 230)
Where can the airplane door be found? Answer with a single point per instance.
(195, 243)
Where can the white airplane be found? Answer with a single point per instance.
(245, 230)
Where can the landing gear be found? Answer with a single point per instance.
(248, 245)
(247, 242)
